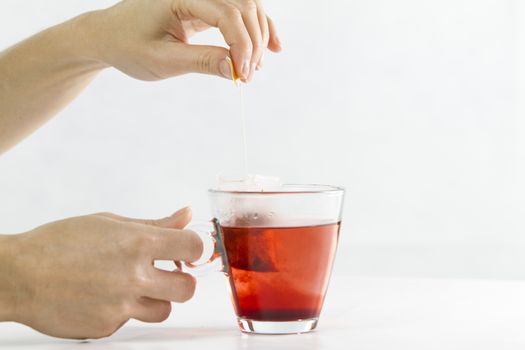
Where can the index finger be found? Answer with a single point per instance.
(229, 20)
(178, 220)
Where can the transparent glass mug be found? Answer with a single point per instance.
(277, 250)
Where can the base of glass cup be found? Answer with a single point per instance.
(277, 327)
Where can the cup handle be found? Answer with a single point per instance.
(213, 258)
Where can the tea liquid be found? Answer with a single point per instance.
(280, 273)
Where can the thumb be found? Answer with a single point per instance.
(202, 59)
(178, 220)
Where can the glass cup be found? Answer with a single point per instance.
(277, 250)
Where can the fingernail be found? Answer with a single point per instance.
(224, 67)
(246, 69)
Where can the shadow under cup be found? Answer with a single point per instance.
(277, 250)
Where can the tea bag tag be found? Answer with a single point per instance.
(235, 77)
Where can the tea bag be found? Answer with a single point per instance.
(252, 217)
(250, 249)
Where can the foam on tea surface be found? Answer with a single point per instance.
(250, 183)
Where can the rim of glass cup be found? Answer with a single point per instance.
(287, 189)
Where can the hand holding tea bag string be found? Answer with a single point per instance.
(84, 277)
(147, 53)
(147, 40)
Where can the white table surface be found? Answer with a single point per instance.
(359, 313)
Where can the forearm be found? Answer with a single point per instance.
(8, 298)
(41, 75)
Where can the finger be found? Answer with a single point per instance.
(274, 43)
(197, 59)
(250, 18)
(170, 286)
(151, 310)
(169, 244)
(229, 20)
(178, 220)
(265, 31)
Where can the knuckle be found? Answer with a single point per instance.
(139, 280)
(246, 48)
(204, 62)
(249, 47)
(139, 244)
(231, 12)
(249, 5)
(258, 47)
(126, 309)
(265, 40)
(121, 308)
(120, 314)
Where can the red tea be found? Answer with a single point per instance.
(279, 273)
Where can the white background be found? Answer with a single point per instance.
(412, 105)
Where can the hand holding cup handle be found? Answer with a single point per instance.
(213, 258)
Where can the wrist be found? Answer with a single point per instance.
(81, 41)
(94, 45)
(8, 275)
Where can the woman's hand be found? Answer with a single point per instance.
(85, 277)
(148, 39)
